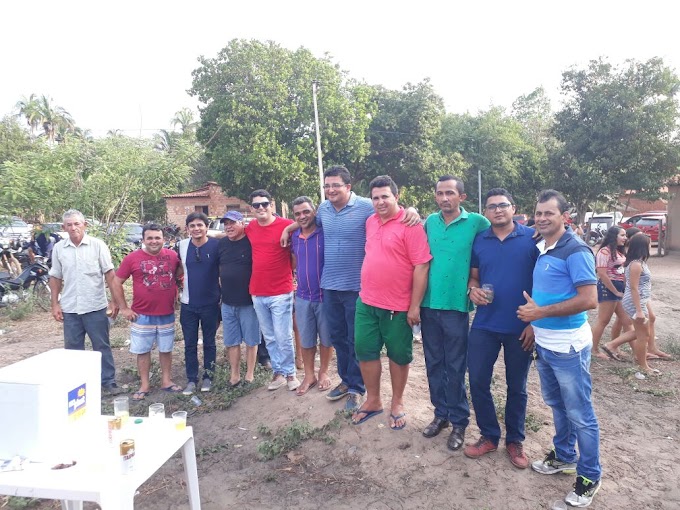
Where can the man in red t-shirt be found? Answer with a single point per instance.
(393, 282)
(271, 286)
(154, 272)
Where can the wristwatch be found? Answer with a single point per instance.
(470, 290)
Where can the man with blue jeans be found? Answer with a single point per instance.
(271, 286)
(496, 325)
(200, 299)
(80, 265)
(564, 289)
(445, 307)
(239, 320)
(308, 246)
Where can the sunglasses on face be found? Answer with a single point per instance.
(198, 255)
(257, 205)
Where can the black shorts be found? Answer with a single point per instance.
(604, 294)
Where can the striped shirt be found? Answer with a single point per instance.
(344, 241)
(644, 288)
(308, 253)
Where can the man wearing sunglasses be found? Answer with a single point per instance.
(496, 325)
(271, 286)
(200, 299)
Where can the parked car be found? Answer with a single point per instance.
(216, 228)
(56, 228)
(650, 225)
(633, 220)
(133, 233)
(15, 228)
(521, 218)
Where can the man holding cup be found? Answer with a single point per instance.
(496, 325)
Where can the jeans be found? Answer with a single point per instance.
(207, 317)
(483, 349)
(339, 307)
(566, 387)
(96, 325)
(445, 343)
(275, 314)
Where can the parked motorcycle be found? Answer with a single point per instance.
(8, 260)
(32, 283)
(595, 236)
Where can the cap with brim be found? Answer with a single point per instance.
(233, 216)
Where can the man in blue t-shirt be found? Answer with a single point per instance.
(496, 325)
(564, 289)
(200, 299)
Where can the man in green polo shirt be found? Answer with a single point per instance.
(445, 307)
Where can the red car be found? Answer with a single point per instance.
(648, 223)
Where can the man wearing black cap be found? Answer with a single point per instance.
(239, 320)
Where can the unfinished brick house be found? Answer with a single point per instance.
(208, 199)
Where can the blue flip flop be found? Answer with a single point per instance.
(395, 418)
(367, 415)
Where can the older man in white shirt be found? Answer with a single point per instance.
(80, 265)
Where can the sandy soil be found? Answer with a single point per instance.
(373, 467)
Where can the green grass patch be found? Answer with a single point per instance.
(290, 437)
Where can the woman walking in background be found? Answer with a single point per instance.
(637, 294)
(610, 286)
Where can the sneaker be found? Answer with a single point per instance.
(206, 385)
(481, 447)
(292, 382)
(353, 402)
(338, 392)
(583, 493)
(517, 455)
(277, 381)
(551, 465)
(189, 390)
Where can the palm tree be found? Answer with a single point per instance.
(54, 118)
(28, 108)
(114, 133)
(185, 119)
(165, 141)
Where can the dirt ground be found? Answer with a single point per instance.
(373, 467)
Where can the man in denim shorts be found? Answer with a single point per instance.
(308, 246)
(239, 320)
(154, 272)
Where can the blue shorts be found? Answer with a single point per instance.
(311, 324)
(148, 330)
(604, 294)
(239, 323)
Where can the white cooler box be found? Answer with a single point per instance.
(49, 405)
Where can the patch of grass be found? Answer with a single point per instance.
(207, 451)
(672, 347)
(117, 339)
(16, 502)
(624, 372)
(19, 311)
(654, 392)
(532, 423)
(290, 437)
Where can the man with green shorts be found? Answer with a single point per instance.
(393, 282)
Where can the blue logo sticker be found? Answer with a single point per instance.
(77, 402)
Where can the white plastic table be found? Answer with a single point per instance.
(98, 476)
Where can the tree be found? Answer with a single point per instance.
(617, 131)
(257, 117)
(14, 140)
(184, 118)
(39, 111)
(402, 137)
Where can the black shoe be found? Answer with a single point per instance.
(456, 439)
(111, 389)
(435, 427)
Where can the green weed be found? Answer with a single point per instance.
(290, 437)
(16, 502)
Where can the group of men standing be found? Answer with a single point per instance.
(367, 272)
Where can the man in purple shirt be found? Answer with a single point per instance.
(308, 258)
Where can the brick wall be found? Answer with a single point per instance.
(218, 203)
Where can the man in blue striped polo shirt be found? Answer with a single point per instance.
(343, 218)
(564, 289)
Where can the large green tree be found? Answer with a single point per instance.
(257, 117)
(617, 131)
(42, 112)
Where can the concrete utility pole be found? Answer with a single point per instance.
(322, 196)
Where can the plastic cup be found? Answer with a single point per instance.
(156, 412)
(121, 407)
(179, 418)
(416, 329)
(488, 290)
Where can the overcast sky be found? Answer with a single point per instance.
(127, 64)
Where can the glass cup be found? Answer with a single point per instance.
(488, 290)
(121, 407)
(179, 418)
(156, 412)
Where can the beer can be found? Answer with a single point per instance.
(127, 455)
(115, 423)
